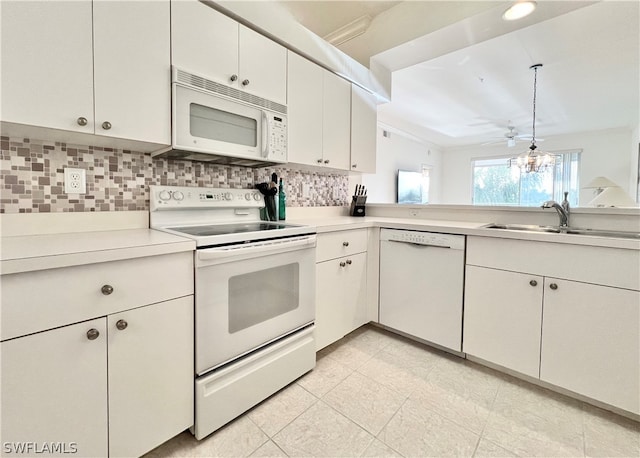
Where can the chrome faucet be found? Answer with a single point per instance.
(563, 210)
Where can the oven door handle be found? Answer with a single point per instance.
(241, 252)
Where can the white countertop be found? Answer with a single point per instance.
(339, 223)
(50, 251)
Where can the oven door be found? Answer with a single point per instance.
(207, 123)
(251, 294)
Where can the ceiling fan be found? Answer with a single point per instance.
(511, 137)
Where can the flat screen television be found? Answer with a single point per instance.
(409, 187)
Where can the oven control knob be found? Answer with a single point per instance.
(247, 196)
(164, 195)
(177, 195)
(227, 196)
(256, 196)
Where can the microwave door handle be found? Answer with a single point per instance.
(265, 135)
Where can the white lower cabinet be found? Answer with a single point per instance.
(341, 284)
(575, 325)
(502, 318)
(103, 362)
(340, 297)
(119, 385)
(591, 341)
(54, 389)
(150, 375)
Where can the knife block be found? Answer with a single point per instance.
(357, 206)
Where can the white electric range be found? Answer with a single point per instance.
(254, 297)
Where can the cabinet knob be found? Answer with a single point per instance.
(319, 161)
(354, 166)
(553, 286)
(349, 261)
(82, 121)
(92, 334)
(121, 325)
(233, 78)
(345, 243)
(107, 289)
(533, 283)
(326, 161)
(342, 263)
(106, 125)
(245, 82)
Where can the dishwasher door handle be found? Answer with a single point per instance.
(425, 245)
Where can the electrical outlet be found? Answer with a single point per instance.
(75, 181)
(306, 191)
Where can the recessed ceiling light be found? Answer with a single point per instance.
(519, 10)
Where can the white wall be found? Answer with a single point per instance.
(604, 153)
(401, 152)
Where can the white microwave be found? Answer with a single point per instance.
(213, 122)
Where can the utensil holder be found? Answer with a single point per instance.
(357, 206)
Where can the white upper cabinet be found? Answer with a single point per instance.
(208, 43)
(263, 66)
(132, 77)
(304, 80)
(319, 115)
(364, 118)
(204, 41)
(47, 69)
(336, 125)
(65, 65)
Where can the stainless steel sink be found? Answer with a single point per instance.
(566, 230)
(602, 233)
(524, 227)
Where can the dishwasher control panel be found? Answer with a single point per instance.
(423, 238)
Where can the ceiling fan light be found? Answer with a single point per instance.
(519, 10)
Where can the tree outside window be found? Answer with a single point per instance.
(495, 183)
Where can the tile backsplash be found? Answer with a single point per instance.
(32, 178)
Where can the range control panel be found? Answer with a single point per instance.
(423, 238)
(174, 197)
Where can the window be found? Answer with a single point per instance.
(495, 183)
(426, 183)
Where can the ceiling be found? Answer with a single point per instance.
(589, 79)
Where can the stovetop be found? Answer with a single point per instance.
(216, 216)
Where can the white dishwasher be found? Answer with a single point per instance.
(421, 285)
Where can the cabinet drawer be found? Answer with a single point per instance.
(342, 243)
(589, 264)
(35, 301)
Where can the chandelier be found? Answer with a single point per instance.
(532, 160)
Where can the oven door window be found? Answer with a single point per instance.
(219, 125)
(257, 297)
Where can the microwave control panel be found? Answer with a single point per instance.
(277, 137)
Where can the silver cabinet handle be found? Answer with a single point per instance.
(553, 286)
(245, 82)
(82, 121)
(326, 161)
(354, 166)
(342, 263)
(233, 78)
(349, 261)
(107, 289)
(121, 325)
(106, 125)
(533, 283)
(92, 334)
(345, 243)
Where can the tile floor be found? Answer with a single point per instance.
(375, 394)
